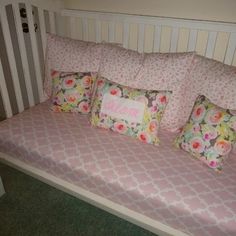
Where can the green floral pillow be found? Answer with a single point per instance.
(72, 91)
(129, 111)
(209, 134)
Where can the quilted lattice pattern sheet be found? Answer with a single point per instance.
(163, 182)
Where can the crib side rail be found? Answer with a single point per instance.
(156, 34)
(23, 27)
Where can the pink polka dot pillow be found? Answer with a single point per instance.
(209, 134)
(129, 111)
(215, 80)
(72, 92)
(119, 64)
(169, 71)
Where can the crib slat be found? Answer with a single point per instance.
(141, 32)
(157, 38)
(174, 39)
(192, 40)
(72, 27)
(126, 35)
(98, 31)
(211, 44)
(4, 92)
(24, 58)
(42, 30)
(85, 28)
(11, 59)
(111, 31)
(230, 49)
(52, 22)
(35, 52)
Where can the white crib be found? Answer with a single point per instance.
(22, 57)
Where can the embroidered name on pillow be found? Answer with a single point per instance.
(129, 111)
(122, 108)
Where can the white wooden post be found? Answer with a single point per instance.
(2, 190)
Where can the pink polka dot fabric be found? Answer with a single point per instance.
(169, 71)
(215, 80)
(120, 65)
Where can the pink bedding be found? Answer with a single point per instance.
(160, 182)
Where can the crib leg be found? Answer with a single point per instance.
(2, 190)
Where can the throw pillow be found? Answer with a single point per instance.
(129, 111)
(169, 71)
(72, 92)
(209, 133)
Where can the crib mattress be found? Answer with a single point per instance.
(161, 182)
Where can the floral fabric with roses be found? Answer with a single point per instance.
(209, 134)
(72, 91)
(128, 111)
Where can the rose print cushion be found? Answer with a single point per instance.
(129, 111)
(209, 134)
(72, 91)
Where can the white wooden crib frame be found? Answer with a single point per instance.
(143, 33)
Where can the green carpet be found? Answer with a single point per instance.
(31, 208)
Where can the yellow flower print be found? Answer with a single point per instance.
(223, 130)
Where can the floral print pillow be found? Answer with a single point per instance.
(129, 111)
(72, 91)
(209, 134)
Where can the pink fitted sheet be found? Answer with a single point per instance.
(161, 182)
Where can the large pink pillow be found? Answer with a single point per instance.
(120, 65)
(187, 75)
(65, 54)
(216, 80)
(169, 71)
(210, 78)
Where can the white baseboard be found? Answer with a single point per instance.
(94, 199)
